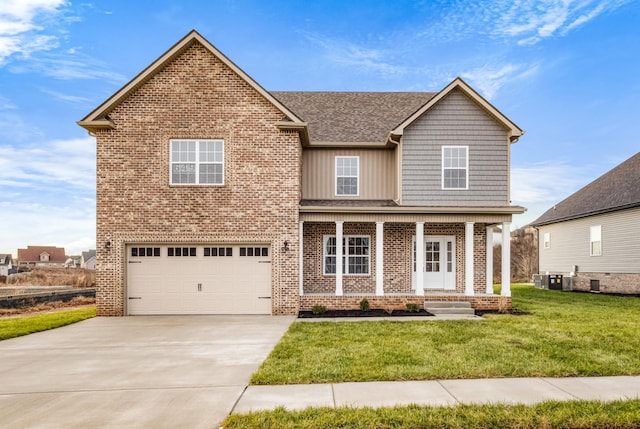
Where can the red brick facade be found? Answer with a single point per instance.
(194, 92)
(196, 96)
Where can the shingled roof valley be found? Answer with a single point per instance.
(617, 189)
(352, 117)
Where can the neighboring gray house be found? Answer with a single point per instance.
(88, 260)
(595, 233)
(5, 264)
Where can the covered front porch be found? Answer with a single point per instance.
(377, 259)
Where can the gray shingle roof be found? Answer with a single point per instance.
(615, 190)
(352, 116)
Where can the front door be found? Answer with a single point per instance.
(439, 262)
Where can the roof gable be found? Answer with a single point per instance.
(615, 190)
(98, 118)
(514, 132)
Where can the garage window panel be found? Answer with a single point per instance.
(138, 252)
(182, 251)
(254, 251)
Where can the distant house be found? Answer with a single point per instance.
(41, 256)
(5, 264)
(88, 260)
(594, 234)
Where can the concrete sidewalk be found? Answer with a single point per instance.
(438, 392)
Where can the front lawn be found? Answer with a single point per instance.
(574, 414)
(24, 325)
(566, 334)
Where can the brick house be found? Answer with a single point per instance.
(42, 256)
(592, 237)
(217, 196)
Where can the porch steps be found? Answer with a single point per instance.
(449, 307)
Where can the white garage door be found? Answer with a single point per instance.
(198, 279)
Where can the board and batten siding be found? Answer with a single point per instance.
(455, 121)
(570, 244)
(377, 173)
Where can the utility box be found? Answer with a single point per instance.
(537, 280)
(555, 281)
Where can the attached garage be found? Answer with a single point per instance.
(198, 279)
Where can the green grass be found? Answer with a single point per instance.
(18, 326)
(566, 334)
(576, 414)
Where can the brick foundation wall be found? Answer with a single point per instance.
(389, 303)
(196, 96)
(609, 283)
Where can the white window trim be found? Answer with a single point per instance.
(466, 168)
(345, 256)
(197, 162)
(546, 240)
(357, 176)
(592, 240)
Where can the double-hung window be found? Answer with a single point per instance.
(547, 240)
(595, 240)
(355, 254)
(347, 172)
(455, 167)
(197, 162)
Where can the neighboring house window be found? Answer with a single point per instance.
(44, 257)
(347, 172)
(355, 254)
(197, 162)
(596, 240)
(547, 240)
(455, 166)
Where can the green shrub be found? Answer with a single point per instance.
(364, 305)
(413, 308)
(319, 309)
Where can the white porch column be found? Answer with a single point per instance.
(420, 258)
(339, 258)
(379, 258)
(506, 259)
(301, 257)
(468, 259)
(489, 260)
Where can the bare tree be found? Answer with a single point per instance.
(524, 255)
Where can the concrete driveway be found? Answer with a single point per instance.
(158, 371)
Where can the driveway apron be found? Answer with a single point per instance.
(156, 371)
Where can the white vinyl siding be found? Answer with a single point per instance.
(455, 167)
(595, 240)
(620, 244)
(347, 175)
(356, 250)
(197, 162)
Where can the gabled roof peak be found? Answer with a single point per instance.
(98, 118)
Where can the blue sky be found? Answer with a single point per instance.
(564, 71)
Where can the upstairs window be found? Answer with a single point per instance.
(595, 240)
(547, 240)
(197, 162)
(347, 172)
(455, 167)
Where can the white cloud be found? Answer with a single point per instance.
(21, 26)
(488, 79)
(530, 21)
(353, 55)
(541, 185)
(73, 99)
(50, 194)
